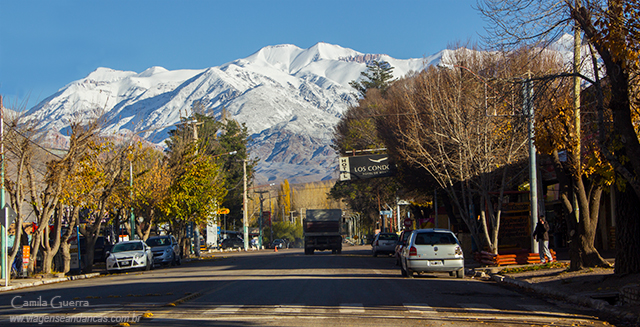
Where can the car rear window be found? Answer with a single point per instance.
(388, 237)
(435, 238)
(158, 241)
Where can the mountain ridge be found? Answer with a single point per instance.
(289, 98)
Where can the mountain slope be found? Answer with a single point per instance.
(289, 98)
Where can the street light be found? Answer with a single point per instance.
(244, 206)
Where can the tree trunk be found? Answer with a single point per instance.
(589, 209)
(17, 242)
(64, 241)
(627, 232)
(52, 241)
(47, 261)
(36, 239)
(66, 257)
(89, 253)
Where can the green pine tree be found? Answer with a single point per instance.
(379, 75)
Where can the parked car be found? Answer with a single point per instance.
(166, 250)
(384, 243)
(130, 255)
(402, 240)
(232, 243)
(280, 243)
(432, 250)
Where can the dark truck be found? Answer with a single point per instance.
(322, 230)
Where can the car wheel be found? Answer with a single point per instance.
(460, 273)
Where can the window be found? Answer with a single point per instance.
(432, 238)
(388, 237)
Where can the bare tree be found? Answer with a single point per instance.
(19, 152)
(45, 197)
(439, 121)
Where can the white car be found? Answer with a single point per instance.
(130, 255)
(432, 250)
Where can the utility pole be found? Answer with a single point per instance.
(132, 220)
(533, 179)
(577, 40)
(244, 206)
(261, 217)
(195, 230)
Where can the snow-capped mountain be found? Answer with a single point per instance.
(289, 98)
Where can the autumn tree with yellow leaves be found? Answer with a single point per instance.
(611, 30)
(585, 175)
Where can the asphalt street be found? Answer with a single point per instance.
(286, 288)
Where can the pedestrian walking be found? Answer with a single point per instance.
(541, 234)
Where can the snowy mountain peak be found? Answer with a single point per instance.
(102, 74)
(289, 98)
(152, 71)
(563, 44)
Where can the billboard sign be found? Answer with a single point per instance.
(368, 166)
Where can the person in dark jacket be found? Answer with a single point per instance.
(541, 234)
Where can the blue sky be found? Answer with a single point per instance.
(45, 45)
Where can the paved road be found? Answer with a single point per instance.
(286, 288)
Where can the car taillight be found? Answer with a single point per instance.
(458, 250)
(413, 251)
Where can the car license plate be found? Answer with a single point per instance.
(125, 263)
(435, 263)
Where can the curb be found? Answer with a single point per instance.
(48, 281)
(585, 301)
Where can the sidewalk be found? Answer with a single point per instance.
(590, 288)
(16, 283)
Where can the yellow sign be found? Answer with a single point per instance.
(223, 211)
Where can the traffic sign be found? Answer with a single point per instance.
(408, 222)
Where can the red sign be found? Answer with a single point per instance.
(26, 254)
(408, 222)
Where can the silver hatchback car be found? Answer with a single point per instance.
(432, 250)
(384, 243)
